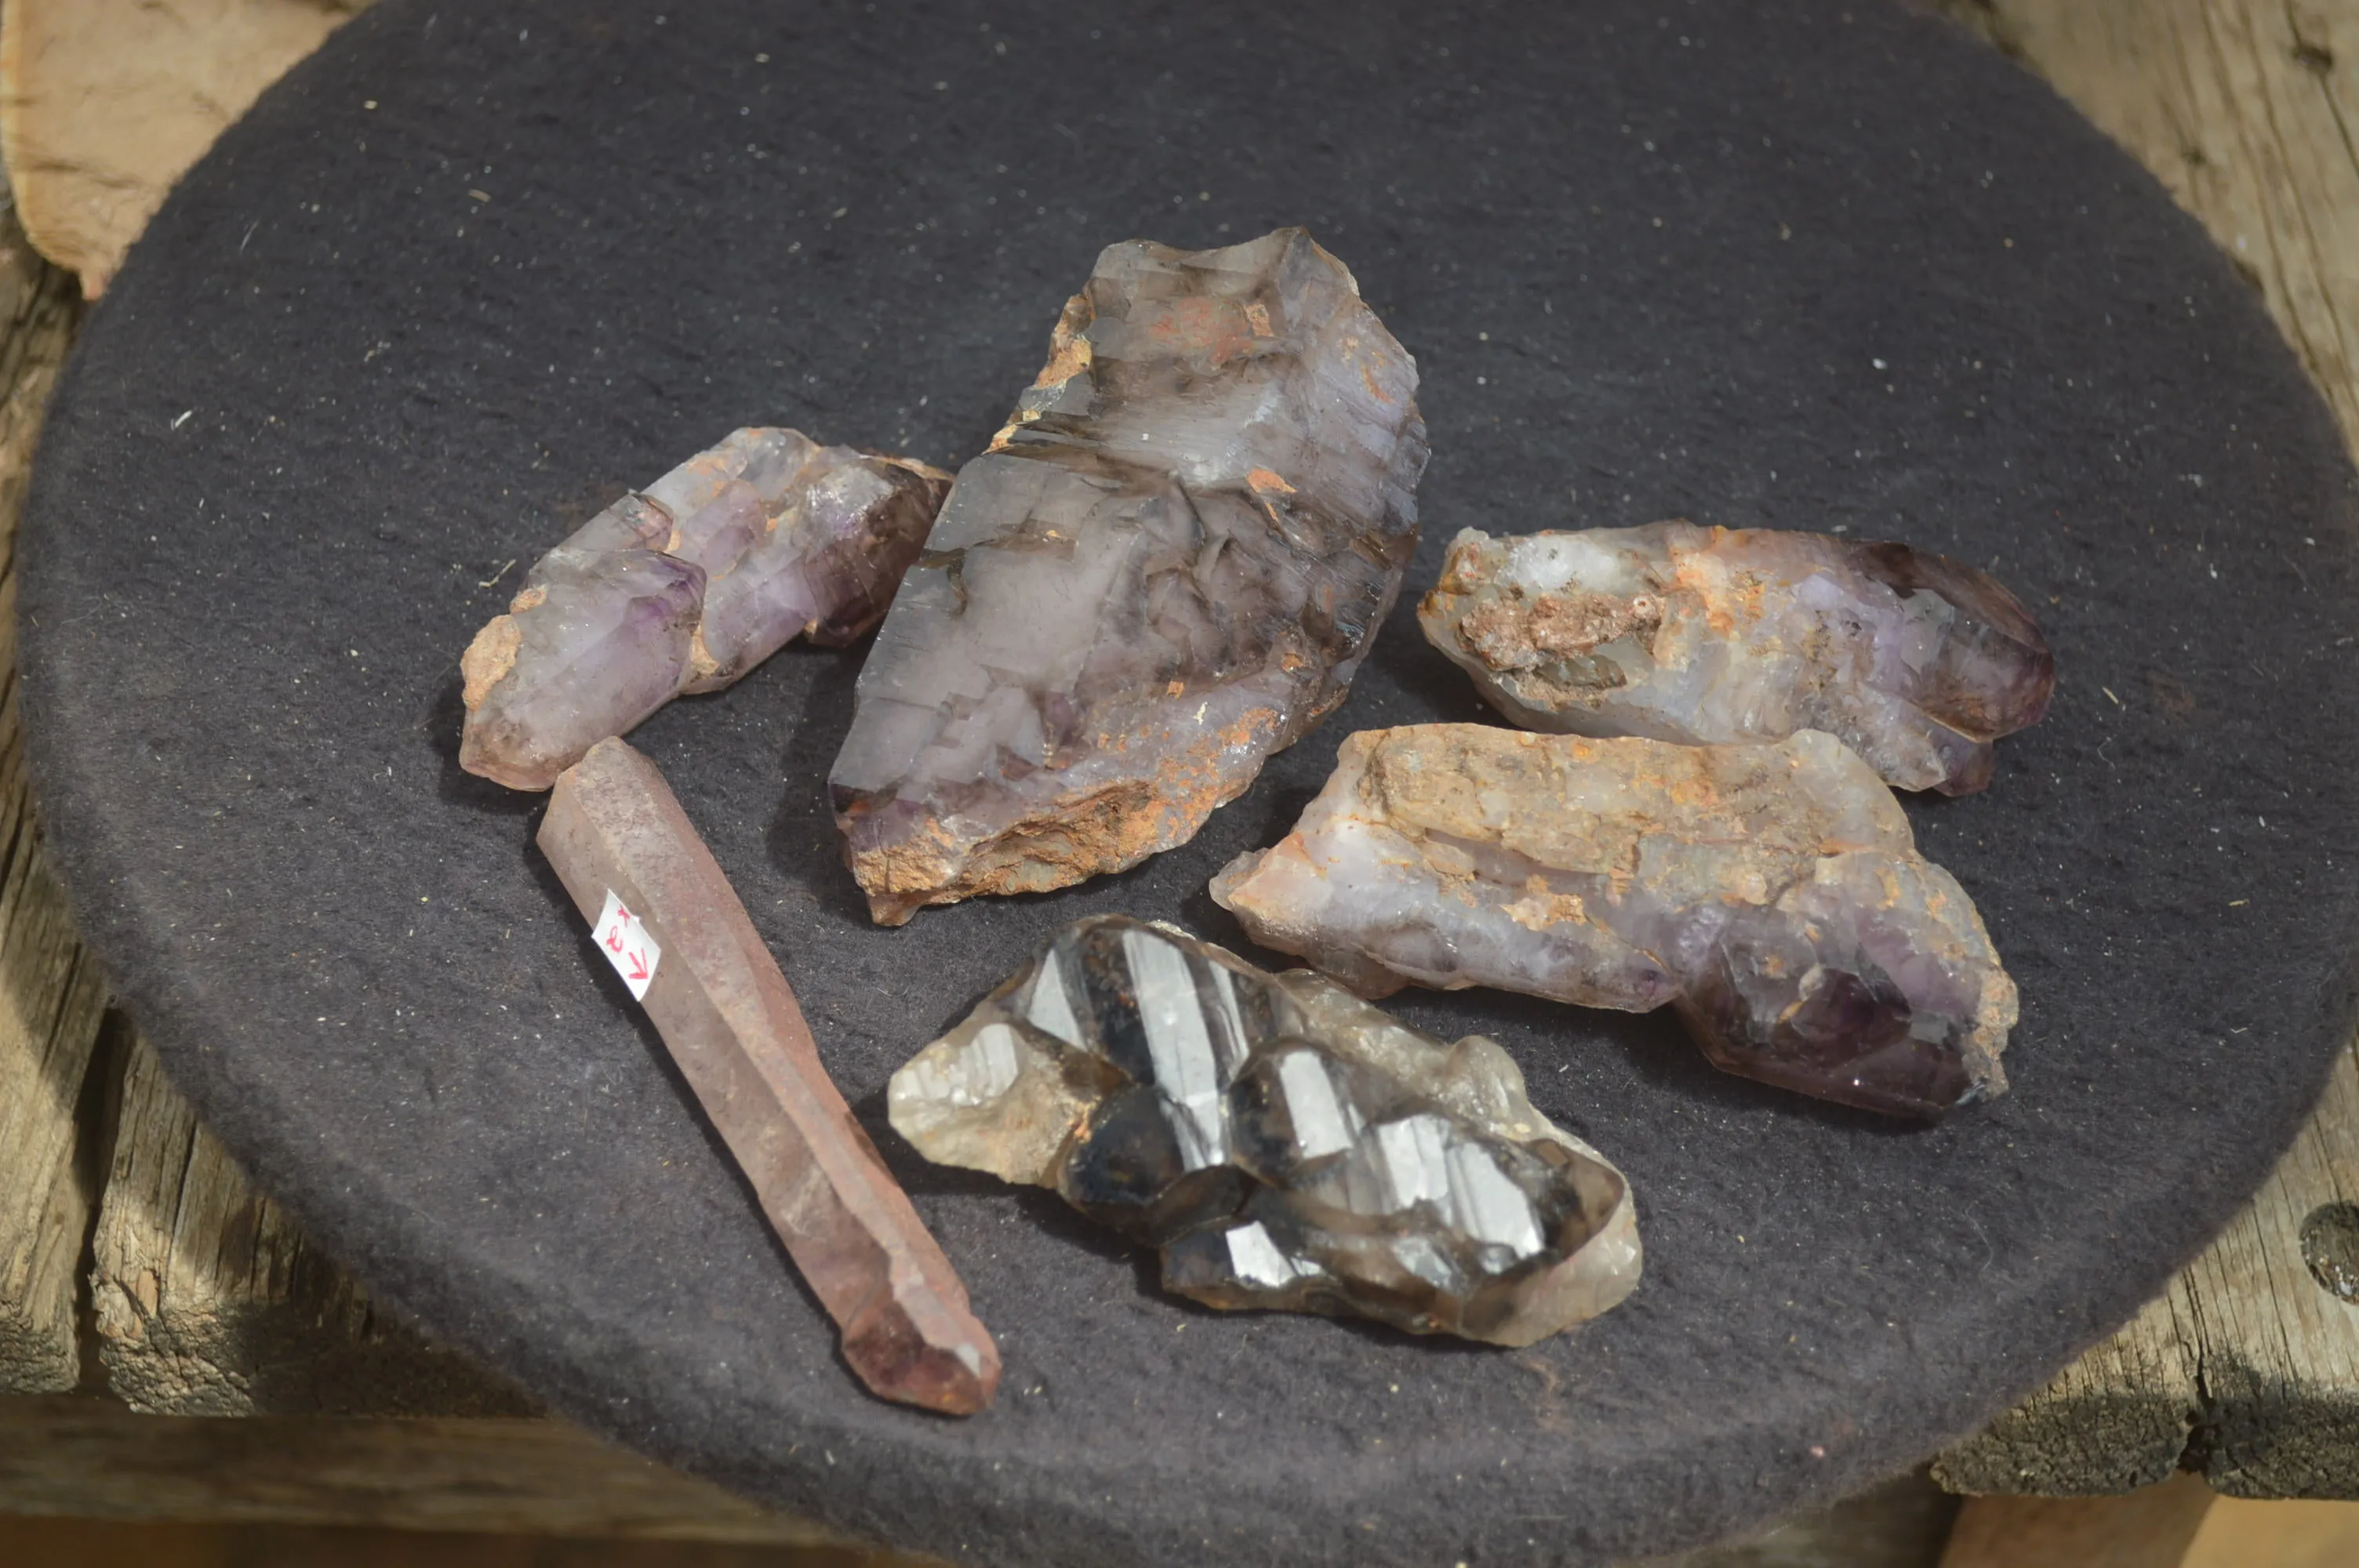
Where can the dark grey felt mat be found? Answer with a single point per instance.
(475, 269)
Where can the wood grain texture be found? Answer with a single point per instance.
(152, 1544)
(84, 1454)
(2248, 1367)
(50, 995)
(104, 103)
(2240, 1532)
(2178, 1523)
(207, 1301)
(2150, 1528)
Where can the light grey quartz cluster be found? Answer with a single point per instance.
(1284, 1143)
(1709, 635)
(685, 586)
(1773, 894)
(1166, 566)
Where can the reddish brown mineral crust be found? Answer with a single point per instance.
(731, 1021)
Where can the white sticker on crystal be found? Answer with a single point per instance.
(1186, 1071)
(628, 945)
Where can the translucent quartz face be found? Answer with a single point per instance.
(1714, 635)
(1285, 1144)
(685, 586)
(1773, 894)
(1169, 565)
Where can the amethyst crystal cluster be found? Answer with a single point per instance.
(685, 586)
(1167, 568)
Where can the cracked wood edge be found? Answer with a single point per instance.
(2246, 1368)
(206, 1299)
(50, 994)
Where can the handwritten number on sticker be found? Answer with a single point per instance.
(629, 948)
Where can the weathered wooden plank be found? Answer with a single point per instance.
(51, 997)
(2150, 1529)
(207, 1301)
(2179, 1523)
(2248, 1367)
(2118, 1419)
(68, 1454)
(85, 1456)
(104, 103)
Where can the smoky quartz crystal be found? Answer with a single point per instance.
(1166, 566)
(1284, 1143)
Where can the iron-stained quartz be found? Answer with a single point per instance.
(1167, 567)
(1284, 1143)
(1773, 894)
(1717, 635)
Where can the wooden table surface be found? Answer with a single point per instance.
(142, 1279)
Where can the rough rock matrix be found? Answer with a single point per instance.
(1167, 567)
(1773, 894)
(1713, 636)
(1284, 1143)
(620, 842)
(684, 588)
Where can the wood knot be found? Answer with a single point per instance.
(2330, 1246)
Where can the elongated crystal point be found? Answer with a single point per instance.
(619, 840)
(1285, 1144)
(1167, 567)
(684, 588)
(1773, 894)
(1718, 636)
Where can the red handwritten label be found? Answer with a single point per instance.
(627, 947)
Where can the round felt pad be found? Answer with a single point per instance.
(473, 270)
